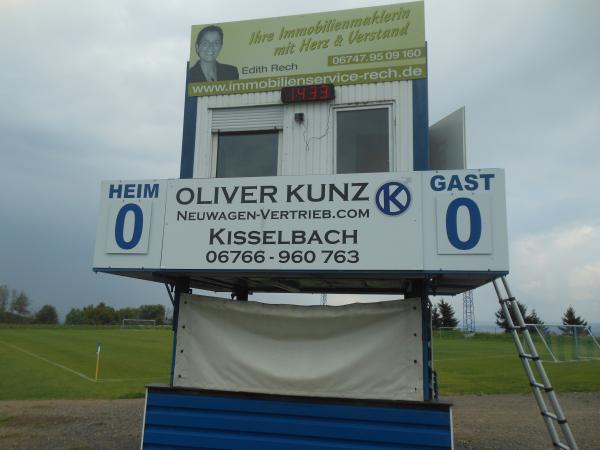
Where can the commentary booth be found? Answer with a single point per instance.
(306, 168)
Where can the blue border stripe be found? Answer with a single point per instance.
(186, 169)
(420, 125)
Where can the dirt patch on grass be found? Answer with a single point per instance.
(508, 422)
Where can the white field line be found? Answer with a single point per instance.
(79, 374)
(111, 380)
(60, 366)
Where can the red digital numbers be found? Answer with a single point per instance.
(315, 92)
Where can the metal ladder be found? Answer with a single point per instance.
(550, 417)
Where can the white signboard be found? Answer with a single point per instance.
(404, 221)
(297, 223)
(130, 227)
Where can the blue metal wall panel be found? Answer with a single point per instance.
(186, 169)
(179, 419)
(420, 125)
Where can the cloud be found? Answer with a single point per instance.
(98, 94)
(552, 269)
(585, 282)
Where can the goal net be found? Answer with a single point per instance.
(138, 323)
(447, 331)
(565, 343)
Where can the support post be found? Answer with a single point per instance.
(182, 286)
(240, 293)
(428, 384)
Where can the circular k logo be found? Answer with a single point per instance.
(392, 198)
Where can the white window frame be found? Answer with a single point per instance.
(391, 128)
(215, 147)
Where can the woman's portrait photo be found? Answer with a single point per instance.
(208, 46)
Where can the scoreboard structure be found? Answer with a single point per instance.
(349, 233)
(306, 167)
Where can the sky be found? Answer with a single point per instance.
(91, 91)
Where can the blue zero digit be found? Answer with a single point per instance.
(452, 223)
(138, 225)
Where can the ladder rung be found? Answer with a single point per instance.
(561, 446)
(517, 328)
(554, 417)
(541, 386)
(509, 299)
(528, 356)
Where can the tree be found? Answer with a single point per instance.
(532, 318)
(105, 315)
(570, 318)
(127, 313)
(20, 304)
(101, 314)
(501, 320)
(75, 317)
(152, 312)
(446, 312)
(47, 314)
(8, 317)
(436, 318)
(4, 296)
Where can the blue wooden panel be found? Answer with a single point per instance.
(193, 419)
(420, 125)
(292, 408)
(332, 428)
(186, 169)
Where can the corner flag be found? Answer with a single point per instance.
(97, 360)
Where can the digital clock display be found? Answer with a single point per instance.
(312, 93)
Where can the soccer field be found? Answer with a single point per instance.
(59, 362)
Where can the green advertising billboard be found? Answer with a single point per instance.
(365, 45)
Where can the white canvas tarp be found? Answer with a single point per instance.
(362, 351)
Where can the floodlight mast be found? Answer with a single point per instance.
(468, 313)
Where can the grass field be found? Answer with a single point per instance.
(129, 359)
(488, 364)
(59, 362)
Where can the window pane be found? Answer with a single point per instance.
(247, 154)
(363, 141)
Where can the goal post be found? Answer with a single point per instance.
(138, 323)
(565, 343)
